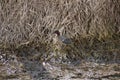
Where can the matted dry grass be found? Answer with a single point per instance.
(31, 22)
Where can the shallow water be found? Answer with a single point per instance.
(26, 68)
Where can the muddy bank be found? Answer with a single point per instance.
(22, 67)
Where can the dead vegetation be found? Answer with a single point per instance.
(93, 24)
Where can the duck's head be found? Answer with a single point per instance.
(56, 32)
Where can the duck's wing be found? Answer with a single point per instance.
(65, 40)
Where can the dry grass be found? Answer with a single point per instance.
(24, 22)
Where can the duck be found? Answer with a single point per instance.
(61, 38)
